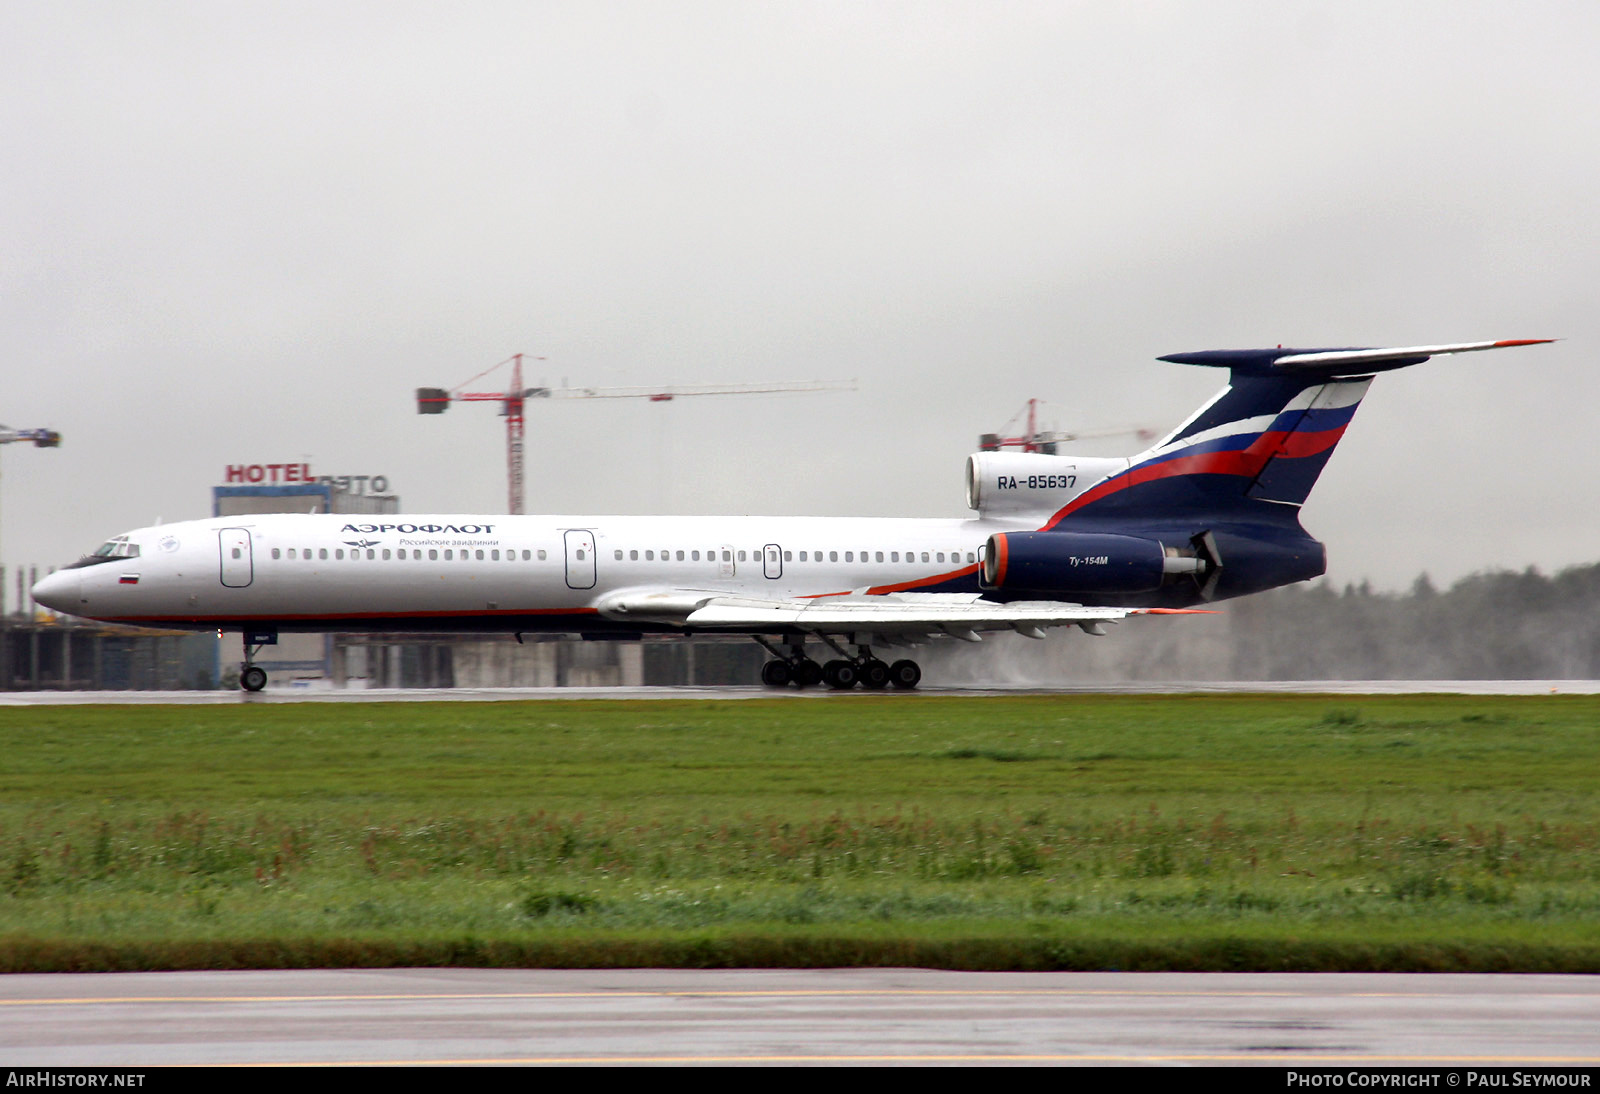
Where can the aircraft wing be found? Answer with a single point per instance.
(904, 616)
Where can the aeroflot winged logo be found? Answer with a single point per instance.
(362, 542)
(409, 529)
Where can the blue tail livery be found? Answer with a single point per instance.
(1223, 489)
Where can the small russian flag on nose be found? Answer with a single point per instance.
(128, 579)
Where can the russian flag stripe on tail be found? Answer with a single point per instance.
(1263, 441)
(1295, 457)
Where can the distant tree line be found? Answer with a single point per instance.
(1489, 626)
(1498, 625)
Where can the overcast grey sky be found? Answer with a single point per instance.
(245, 232)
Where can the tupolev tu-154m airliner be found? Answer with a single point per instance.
(1211, 511)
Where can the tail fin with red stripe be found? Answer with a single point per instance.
(1265, 438)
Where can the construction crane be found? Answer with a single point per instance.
(41, 438)
(1037, 440)
(436, 400)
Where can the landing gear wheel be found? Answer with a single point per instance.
(252, 678)
(775, 674)
(839, 675)
(905, 675)
(806, 673)
(874, 674)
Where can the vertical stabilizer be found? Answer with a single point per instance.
(1262, 442)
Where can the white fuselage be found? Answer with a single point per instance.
(495, 573)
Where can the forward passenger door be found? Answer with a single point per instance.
(580, 558)
(238, 568)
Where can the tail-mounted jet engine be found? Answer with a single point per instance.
(1086, 562)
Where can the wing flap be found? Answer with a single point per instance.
(958, 615)
(905, 616)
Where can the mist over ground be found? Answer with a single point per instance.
(1498, 625)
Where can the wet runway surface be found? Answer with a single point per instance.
(419, 695)
(898, 1016)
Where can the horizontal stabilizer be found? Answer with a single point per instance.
(1354, 361)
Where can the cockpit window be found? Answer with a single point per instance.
(117, 548)
(109, 551)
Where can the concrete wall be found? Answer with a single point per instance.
(70, 657)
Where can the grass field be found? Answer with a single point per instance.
(1249, 831)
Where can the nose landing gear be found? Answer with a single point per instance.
(253, 677)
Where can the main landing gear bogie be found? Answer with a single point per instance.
(802, 672)
(872, 674)
(840, 674)
(905, 674)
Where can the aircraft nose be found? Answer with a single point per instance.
(59, 591)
